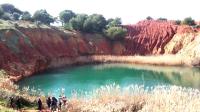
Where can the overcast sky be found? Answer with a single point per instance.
(131, 11)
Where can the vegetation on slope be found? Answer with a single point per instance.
(105, 99)
(95, 23)
(8, 89)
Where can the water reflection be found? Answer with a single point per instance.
(89, 77)
(182, 76)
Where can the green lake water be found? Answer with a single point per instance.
(90, 77)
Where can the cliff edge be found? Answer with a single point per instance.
(27, 48)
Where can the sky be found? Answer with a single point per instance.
(130, 11)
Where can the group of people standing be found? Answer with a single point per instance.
(15, 103)
(53, 104)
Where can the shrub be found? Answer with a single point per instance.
(95, 24)
(114, 22)
(67, 26)
(178, 22)
(9, 8)
(26, 16)
(149, 18)
(78, 22)
(1, 12)
(188, 21)
(43, 17)
(66, 15)
(115, 33)
(16, 16)
(6, 16)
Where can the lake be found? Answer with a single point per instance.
(89, 77)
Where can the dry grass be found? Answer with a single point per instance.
(168, 60)
(153, 60)
(5, 109)
(135, 98)
(9, 89)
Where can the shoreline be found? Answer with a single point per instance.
(159, 60)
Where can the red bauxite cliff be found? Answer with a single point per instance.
(149, 37)
(26, 50)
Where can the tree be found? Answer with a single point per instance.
(26, 16)
(114, 22)
(67, 26)
(1, 12)
(8, 8)
(43, 17)
(9, 12)
(66, 15)
(149, 18)
(178, 22)
(16, 16)
(6, 16)
(115, 33)
(109, 20)
(78, 22)
(188, 21)
(95, 24)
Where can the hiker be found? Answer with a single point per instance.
(39, 104)
(48, 102)
(54, 103)
(59, 103)
(11, 102)
(18, 103)
(64, 100)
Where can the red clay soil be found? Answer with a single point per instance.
(28, 50)
(149, 37)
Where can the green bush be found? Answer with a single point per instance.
(1, 12)
(67, 26)
(9, 8)
(43, 17)
(78, 22)
(95, 24)
(188, 21)
(149, 18)
(116, 33)
(16, 16)
(6, 16)
(114, 22)
(26, 16)
(66, 15)
(178, 22)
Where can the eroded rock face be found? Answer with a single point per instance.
(186, 43)
(149, 37)
(25, 51)
(184, 36)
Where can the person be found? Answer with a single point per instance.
(64, 100)
(18, 103)
(48, 102)
(39, 104)
(59, 104)
(11, 102)
(54, 103)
